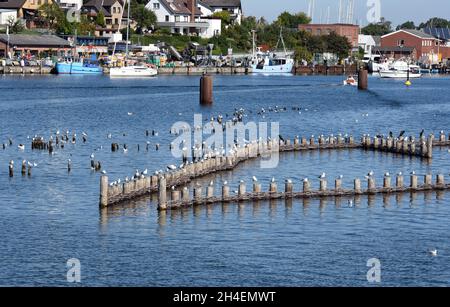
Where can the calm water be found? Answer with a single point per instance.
(53, 216)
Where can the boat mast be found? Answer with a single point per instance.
(128, 28)
(253, 43)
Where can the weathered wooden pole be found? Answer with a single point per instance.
(162, 194)
(104, 191)
(225, 191)
(413, 181)
(357, 185)
(11, 168)
(242, 189)
(206, 90)
(289, 186)
(362, 79)
(399, 181)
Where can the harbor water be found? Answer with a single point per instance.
(53, 215)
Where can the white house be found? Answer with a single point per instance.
(234, 7)
(186, 17)
(367, 42)
(6, 15)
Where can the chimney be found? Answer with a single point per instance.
(192, 6)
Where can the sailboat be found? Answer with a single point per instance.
(133, 70)
(270, 62)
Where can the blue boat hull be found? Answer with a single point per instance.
(78, 68)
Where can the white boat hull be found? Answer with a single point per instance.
(399, 74)
(275, 69)
(133, 71)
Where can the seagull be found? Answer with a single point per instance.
(433, 252)
(387, 174)
(255, 179)
(171, 167)
(305, 180)
(273, 179)
(130, 113)
(225, 182)
(103, 172)
(21, 147)
(289, 181)
(322, 176)
(370, 174)
(341, 176)
(400, 173)
(92, 156)
(413, 172)
(145, 172)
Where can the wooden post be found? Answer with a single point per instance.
(323, 185)
(399, 181)
(273, 187)
(362, 79)
(338, 184)
(440, 181)
(288, 187)
(162, 187)
(371, 184)
(387, 182)
(24, 167)
(306, 186)
(430, 146)
(414, 181)
(256, 187)
(210, 191)
(197, 194)
(175, 196)
(104, 191)
(185, 195)
(357, 185)
(242, 189)
(225, 191)
(427, 180)
(11, 168)
(206, 90)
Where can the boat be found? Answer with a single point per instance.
(270, 63)
(80, 67)
(376, 63)
(401, 69)
(131, 70)
(350, 81)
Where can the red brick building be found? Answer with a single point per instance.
(426, 45)
(348, 30)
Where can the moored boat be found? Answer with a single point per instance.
(83, 67)
(133, 71)
(401, 69)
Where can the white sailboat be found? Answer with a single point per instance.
(271, 63)
(133, 70)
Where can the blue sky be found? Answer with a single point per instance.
(396, 11)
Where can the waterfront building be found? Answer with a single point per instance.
(351, 32)
(70, 4)
(427, 46)
(6, 15)
(234, 7)
(366, 42)
(23, 44)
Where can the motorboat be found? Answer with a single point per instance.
(270, 62)
(401, 69)
(350, 81)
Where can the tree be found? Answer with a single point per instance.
(378, 29)
(292, 21)
(85, 26)
(224, 16)
(100, 19)
(144, 18)
(302, 53)
(407, 25)
(338, 45)
(435, 22)
(51, 13)
(15, 26)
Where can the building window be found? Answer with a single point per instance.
(177, 18)
(114, 10)
(401, 42)
(156, 6)
(118, 10)
(167, 18)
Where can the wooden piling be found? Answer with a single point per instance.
(288, 187)
(162, 199)
(440, 181)
(427, 180)
(306, 186)
(414, 180)
(357, 185)
(24, 167)
(185, 194)
(103, 191)
(242, 189)
(11, 168)
(338, 184)
(206, 90)
(362, 79)
(323, 185)
(399, 181)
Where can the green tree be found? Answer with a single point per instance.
(100, 19)
(288, 20)
(51, 13)
(144, 18)
(338, 45)
(379, 29)
(302, 53)
(407, 25)
(85, 26)
(15, 26)
(224, 16)
(435, 22)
